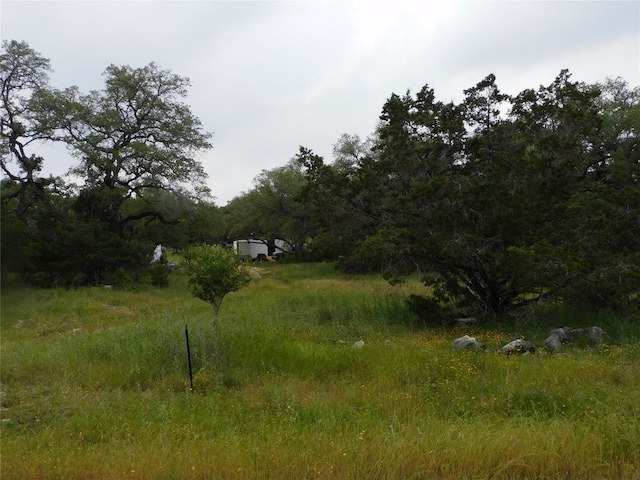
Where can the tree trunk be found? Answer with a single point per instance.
(214, 328)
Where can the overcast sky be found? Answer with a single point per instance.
(269, 76)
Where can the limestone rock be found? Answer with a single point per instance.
(594, 334)
(564, 334)
(553, 343)
(519, 346)
(467, 343)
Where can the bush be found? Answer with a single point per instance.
(121, 279)
(159, 275)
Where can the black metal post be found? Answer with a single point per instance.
(186, 333)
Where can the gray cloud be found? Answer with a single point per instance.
(268, 76)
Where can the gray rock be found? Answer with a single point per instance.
(358, 344)
(564, 334)
(519, 346)
(594, 334)
(553, 343)
(467, 343)
(577, 332)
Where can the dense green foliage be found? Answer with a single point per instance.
(497, 201)
(274, 209)
(135, 142)
(506, 209)
(95, 385)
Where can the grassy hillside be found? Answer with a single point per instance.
(95, 384)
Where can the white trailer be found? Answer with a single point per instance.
(255, 249)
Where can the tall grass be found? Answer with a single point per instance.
(95, 385)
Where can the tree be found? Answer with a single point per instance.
(349, 151)
(501, 201)
(330, 193)
(135, 140)
(604, 214)
(25, 76)
(483, 104)
(214, 272)
(134, 137)
(186, 221)
(274, 208)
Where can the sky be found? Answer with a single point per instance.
(270, 76)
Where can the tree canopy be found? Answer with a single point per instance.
(214, 272)
(274, 208)
(500, 201)
(136, 144)
(133, 137)
(25, 74)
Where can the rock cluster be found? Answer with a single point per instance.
(563, 335)
(554, 342)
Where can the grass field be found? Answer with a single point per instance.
(95, 385)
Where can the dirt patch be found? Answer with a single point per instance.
(257, 272)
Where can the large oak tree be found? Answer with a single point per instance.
(136, 142)
(133, 137)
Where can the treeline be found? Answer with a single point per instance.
(497, 201)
